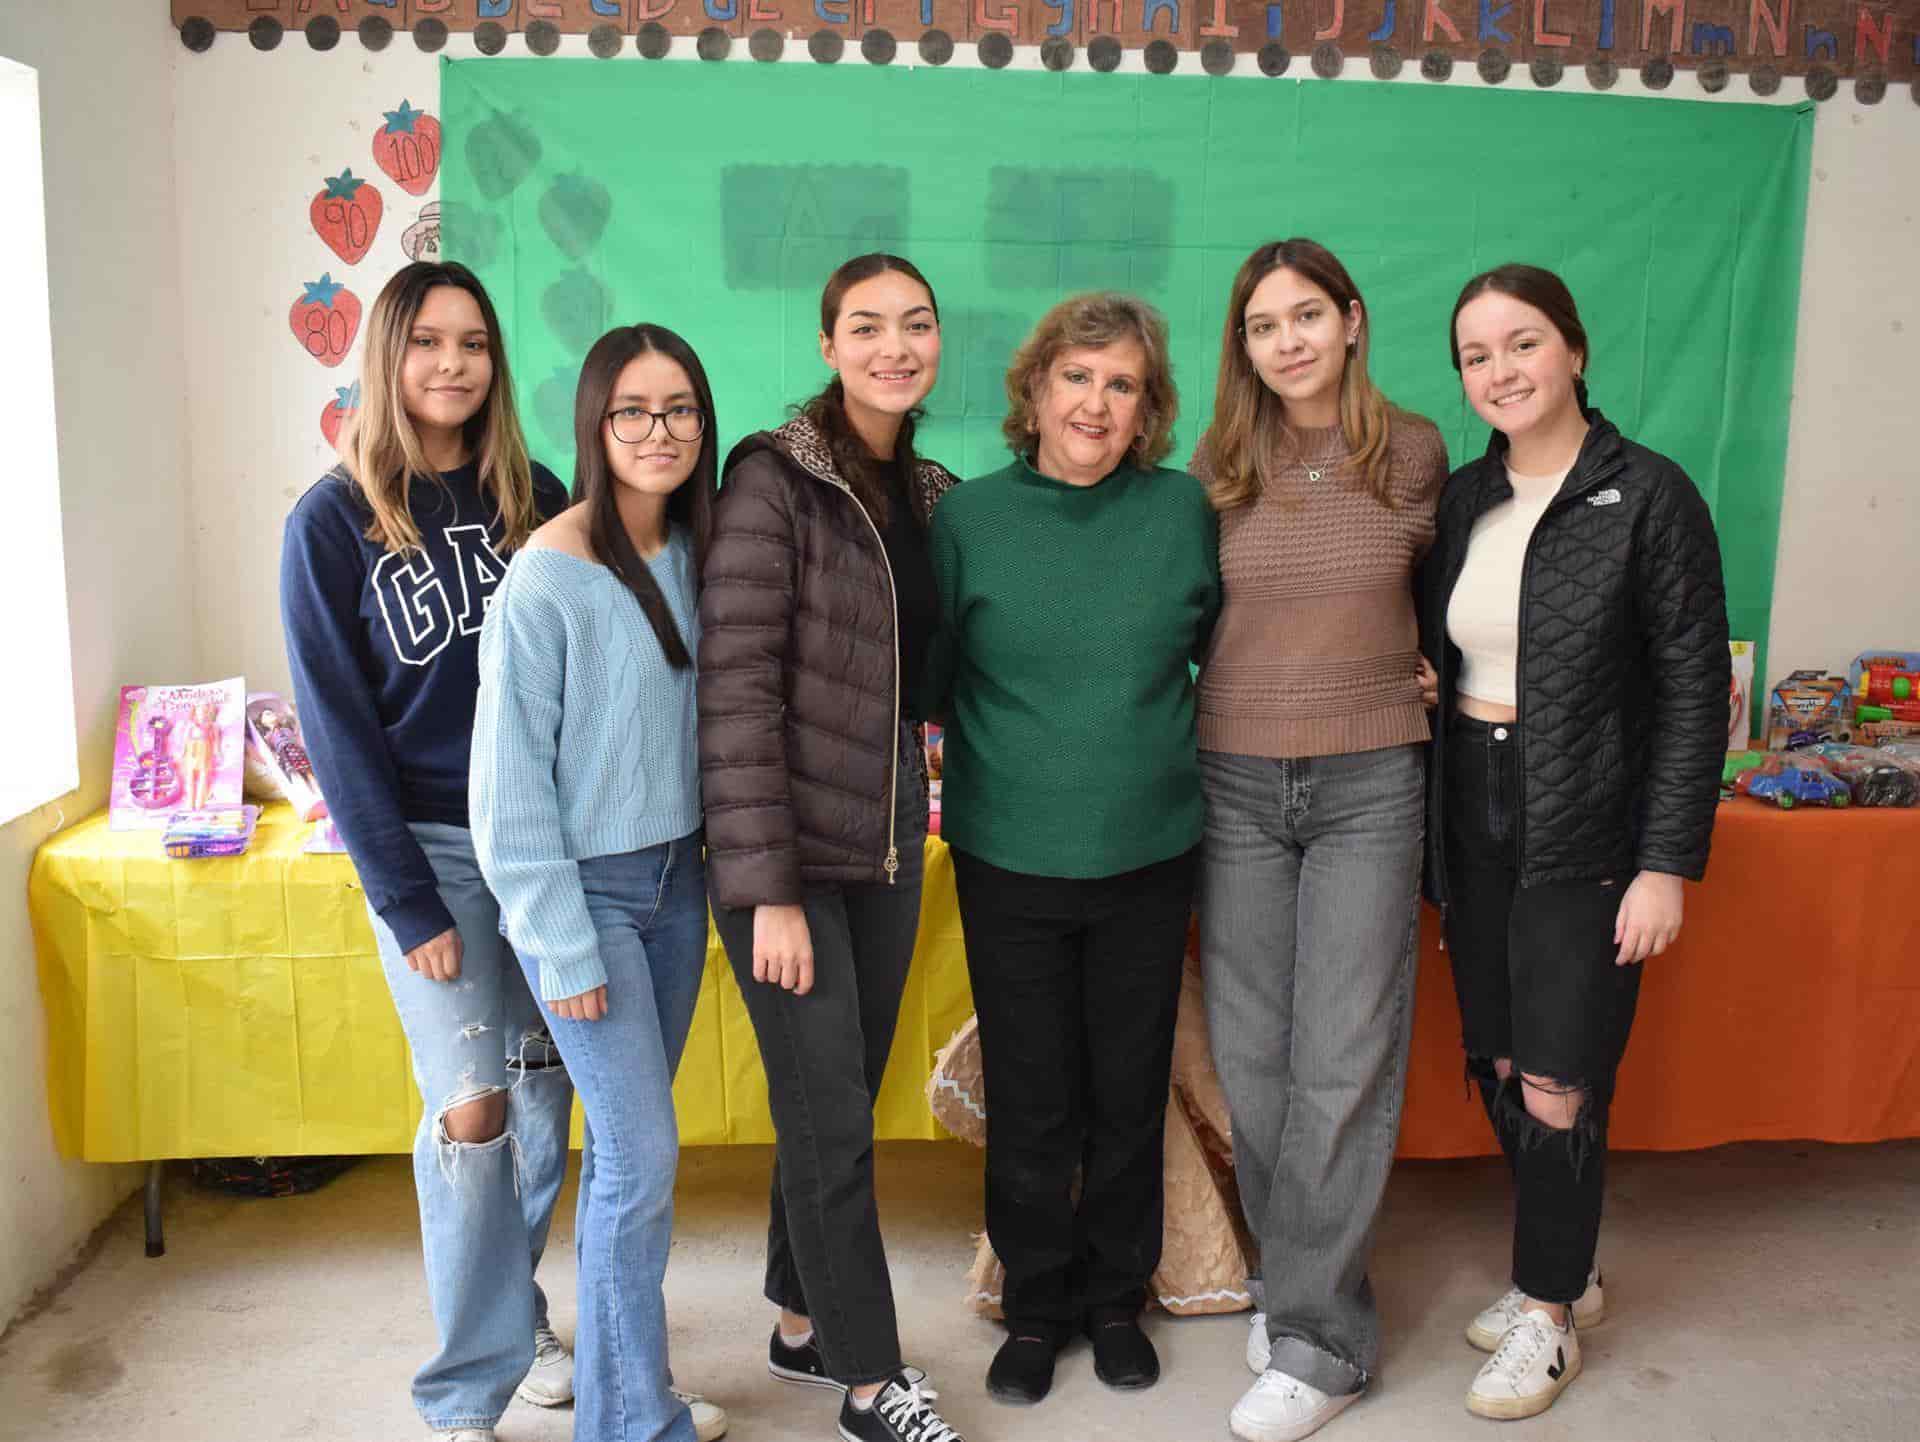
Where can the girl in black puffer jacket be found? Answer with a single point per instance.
(1575, 615)
(817, 607)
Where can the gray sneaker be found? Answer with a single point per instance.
(1486, 1330)
(549, 1381)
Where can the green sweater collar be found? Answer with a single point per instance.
(1024, 472)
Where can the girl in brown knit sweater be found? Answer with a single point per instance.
(1312, 730)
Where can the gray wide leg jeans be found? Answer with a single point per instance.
(1309, 910)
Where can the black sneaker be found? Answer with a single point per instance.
(1122, 1355)
(1022, 1370)
(902, 1412)
(802, 1364)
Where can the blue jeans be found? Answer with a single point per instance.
(1308, 916)
(650, 910)
(484, 1206)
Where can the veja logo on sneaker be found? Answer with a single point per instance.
(1608, 497)
(1559, 1363)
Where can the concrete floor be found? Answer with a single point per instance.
(1761, 1293)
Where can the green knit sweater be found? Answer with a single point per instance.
(1068, 617)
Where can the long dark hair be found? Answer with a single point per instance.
(1539, 288)
(690, 507)
(865, 473)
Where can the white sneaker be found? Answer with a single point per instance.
(1259, 1345)
(549, 1381)
(1533, 1365)
(1279, 1408)
(1486, 1330)
(709, 1421)
(465, 1434)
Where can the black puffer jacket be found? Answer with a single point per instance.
(1623, 665)
(799, 692)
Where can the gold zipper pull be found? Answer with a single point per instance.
(893, 863)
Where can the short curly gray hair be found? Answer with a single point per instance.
(1096, 319)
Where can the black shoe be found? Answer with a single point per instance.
(902, 1412)
(1122, 1355)
(1022, 1370)
(802, 1364)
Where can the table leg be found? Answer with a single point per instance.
(156, 1241)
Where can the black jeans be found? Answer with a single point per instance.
(825, 1054)
(1534, 973)
(1076, 984)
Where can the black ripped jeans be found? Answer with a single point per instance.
(1534, 972)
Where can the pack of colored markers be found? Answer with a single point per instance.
(217, 831)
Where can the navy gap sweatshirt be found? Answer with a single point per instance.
(384, 651)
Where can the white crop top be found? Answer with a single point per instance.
(1483, 616)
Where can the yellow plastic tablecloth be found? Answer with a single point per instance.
(236, 1007)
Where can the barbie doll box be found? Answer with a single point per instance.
(176, 748)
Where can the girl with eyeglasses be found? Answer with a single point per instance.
(586, 817)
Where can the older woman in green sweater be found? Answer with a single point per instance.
(1076, 586)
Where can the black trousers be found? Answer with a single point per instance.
(1076, 983)
(1534, 973)
(825, 1054)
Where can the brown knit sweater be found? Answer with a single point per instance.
(1317, 645)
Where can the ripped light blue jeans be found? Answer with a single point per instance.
(484, 1206)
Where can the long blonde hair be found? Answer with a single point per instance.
(1249, 431)
(380, 449)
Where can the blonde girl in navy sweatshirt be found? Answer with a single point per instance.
(387, 567)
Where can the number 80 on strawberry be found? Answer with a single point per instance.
(325, 319)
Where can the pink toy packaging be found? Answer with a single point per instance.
(277, 763)
(176, 748)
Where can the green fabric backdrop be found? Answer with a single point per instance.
(715, 199)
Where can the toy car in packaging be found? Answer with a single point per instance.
(1790, 779)
(1875, 777)
(1808, 708)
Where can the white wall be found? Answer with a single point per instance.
(250, 164)
(1848, 575)
(113, 263)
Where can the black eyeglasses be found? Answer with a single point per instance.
(633, 424)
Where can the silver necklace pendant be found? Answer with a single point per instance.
(1314, 475)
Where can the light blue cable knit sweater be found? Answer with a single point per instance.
(583, 745)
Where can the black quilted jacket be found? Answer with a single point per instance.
(1623, 665)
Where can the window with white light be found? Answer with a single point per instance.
(39, 757)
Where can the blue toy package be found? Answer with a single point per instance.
(218, 831)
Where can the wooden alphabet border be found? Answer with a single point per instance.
(1818, 43)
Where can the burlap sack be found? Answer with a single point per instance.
(1205, 1252)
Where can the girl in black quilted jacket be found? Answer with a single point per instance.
(1575, 614)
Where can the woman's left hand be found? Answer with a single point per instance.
(1429, 680)
(1649, 917)
(588, 1006)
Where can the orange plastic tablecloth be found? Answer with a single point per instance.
(1788, 1010)
(235, 1007)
